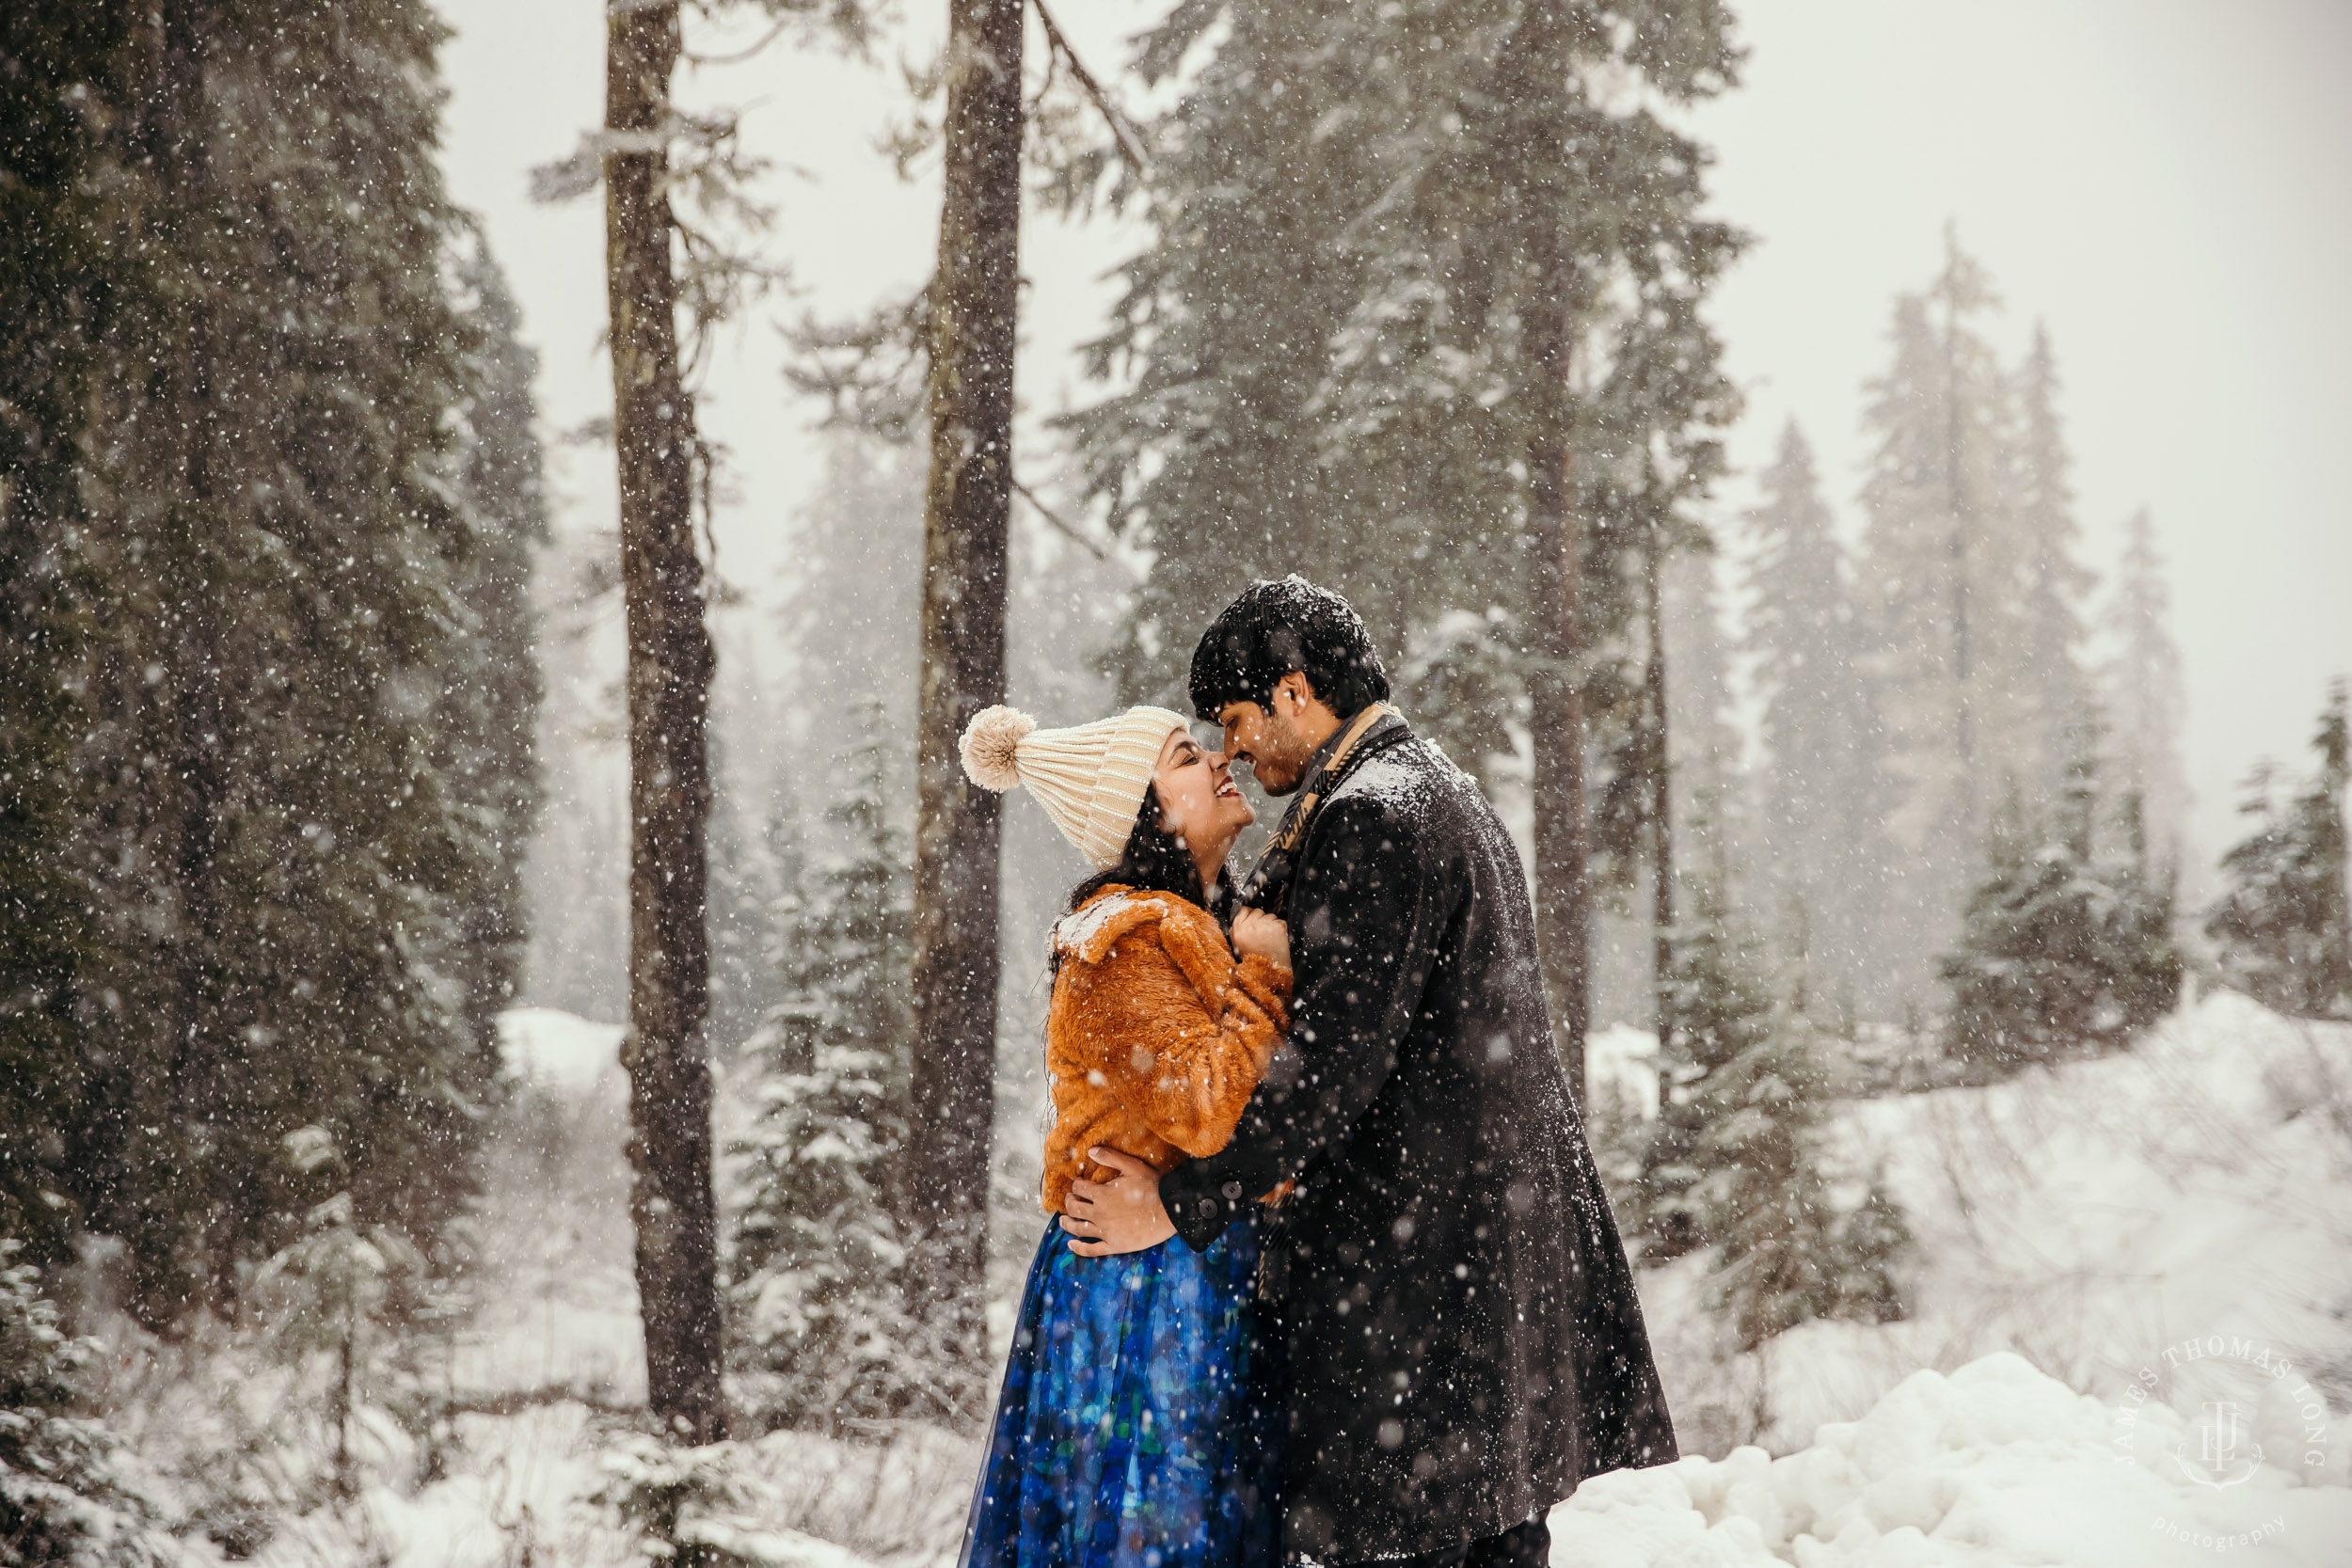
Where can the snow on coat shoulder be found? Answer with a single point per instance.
(1087, 934)
(1399, 778)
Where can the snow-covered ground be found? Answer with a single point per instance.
(550, 1360)
(2192, 1197)
(2153, 1221)
(1991, 1467)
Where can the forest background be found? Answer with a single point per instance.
(2101, 195)
(345, 625)
(2103, 176)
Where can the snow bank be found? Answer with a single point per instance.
(2086, 1218)
(1993, 1466)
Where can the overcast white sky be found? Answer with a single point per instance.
(2166, 182)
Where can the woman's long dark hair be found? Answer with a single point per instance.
(1156, 861)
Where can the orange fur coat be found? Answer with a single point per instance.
(1156, 1035)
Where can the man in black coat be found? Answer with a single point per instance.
(1463, 1340)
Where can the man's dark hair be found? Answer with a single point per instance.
(1275, 628)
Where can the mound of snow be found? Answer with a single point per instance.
(1993, 1466)
(2086, 1217)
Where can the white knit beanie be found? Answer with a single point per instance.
(1090, 778)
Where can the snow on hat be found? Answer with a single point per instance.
(1090, 778)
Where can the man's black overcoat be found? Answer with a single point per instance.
(1463, 1340)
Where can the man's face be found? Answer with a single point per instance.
(1274, 747)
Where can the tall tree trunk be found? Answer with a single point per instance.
(1563, 897)
(1536, 70)
(1955, 486)
(966, 512)
(1660, 781)
(670, 662)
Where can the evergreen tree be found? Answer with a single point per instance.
(58, 287)
(64, 1502)
(2284, 922)
(1971, 600)
(1927, 547)
(2053, 698)
(2063, 951)
(1822, 851)
(967, 527)
(1733, 1162)
(1787, 1254)
(1717, 1013)
(824, 1330)
(670, 662)
(485, 731)
(236, 468)
(2142, 693)
(1419, 320)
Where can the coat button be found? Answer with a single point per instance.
(1208, 1208)
(1231, 1191)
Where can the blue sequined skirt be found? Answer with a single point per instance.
(1140, 1421)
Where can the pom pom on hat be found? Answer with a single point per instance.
(991, 746)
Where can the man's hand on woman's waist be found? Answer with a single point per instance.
(1123, 1214)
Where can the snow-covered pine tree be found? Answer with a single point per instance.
(2052, 699)
(2141, 691)
(485, 727)
(1787, 1253)
(1972, 599)
(1932, 552)
(65, 1501)
(823, 1326)
(1821, 852)
(1420, 319)
(2285, 920)
(2147, 964)
(2064, 950)
(1733, 1160)
(57, 281)
(1716, 1010)
(275, 550)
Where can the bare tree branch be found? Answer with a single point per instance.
(1069, 530)
(741, 54)
(1122, 132)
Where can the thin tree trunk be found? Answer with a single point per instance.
(1955, 486)
(1556, 700)
(670, 662)
(966, 513)
(1662, 783)
(1537, 68)
(1563, 884)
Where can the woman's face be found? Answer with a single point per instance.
(1200, 802)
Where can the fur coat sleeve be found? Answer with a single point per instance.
(1184, 1062)
(1158, 1033)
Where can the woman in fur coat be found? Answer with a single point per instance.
(1140, 1419)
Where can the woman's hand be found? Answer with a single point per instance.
(1260, 934)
